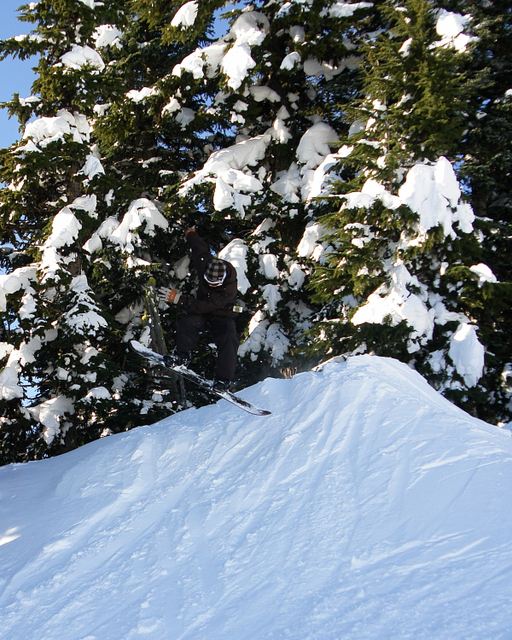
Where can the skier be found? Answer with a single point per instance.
(211, 309)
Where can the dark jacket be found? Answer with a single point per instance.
(217, 301)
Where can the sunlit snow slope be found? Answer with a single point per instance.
(365, 507)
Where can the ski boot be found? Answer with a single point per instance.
(221, 384)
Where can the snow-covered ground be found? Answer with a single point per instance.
(366, 506)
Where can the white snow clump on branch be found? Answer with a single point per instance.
(248, 30)
(9, 382)
(50, 413)
(80, 56)
(450, 26)
(49, 129)
(107, 35)
(291, 60)
(83, 317)
(484, 273)
(10, 283)
(9, 376)
(185, 16)
(314, 144)
(310, 245)
(139, 95)
(345, 9)
(92, 4)
(141, 214)
(225, 169)
(236, 254)
(467, 353)
(433, 192)
(264, 335)
(65, 229)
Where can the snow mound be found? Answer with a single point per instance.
(365, 506)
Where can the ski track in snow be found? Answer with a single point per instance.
(366, 506)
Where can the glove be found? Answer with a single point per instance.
(189, 231)
(165, 294)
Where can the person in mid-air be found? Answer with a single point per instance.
(211, 309)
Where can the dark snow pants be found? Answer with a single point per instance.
(223, 330)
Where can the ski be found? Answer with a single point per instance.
(194, 377)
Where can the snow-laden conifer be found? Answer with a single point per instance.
(486, 149)
(276, 75)
(82, 228)
(400, 271)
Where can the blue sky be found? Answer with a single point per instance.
(15, 76)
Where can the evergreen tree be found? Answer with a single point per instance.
(49, 308)
(84, 226)
(486, 167)
(273, 88)
(401, 272)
